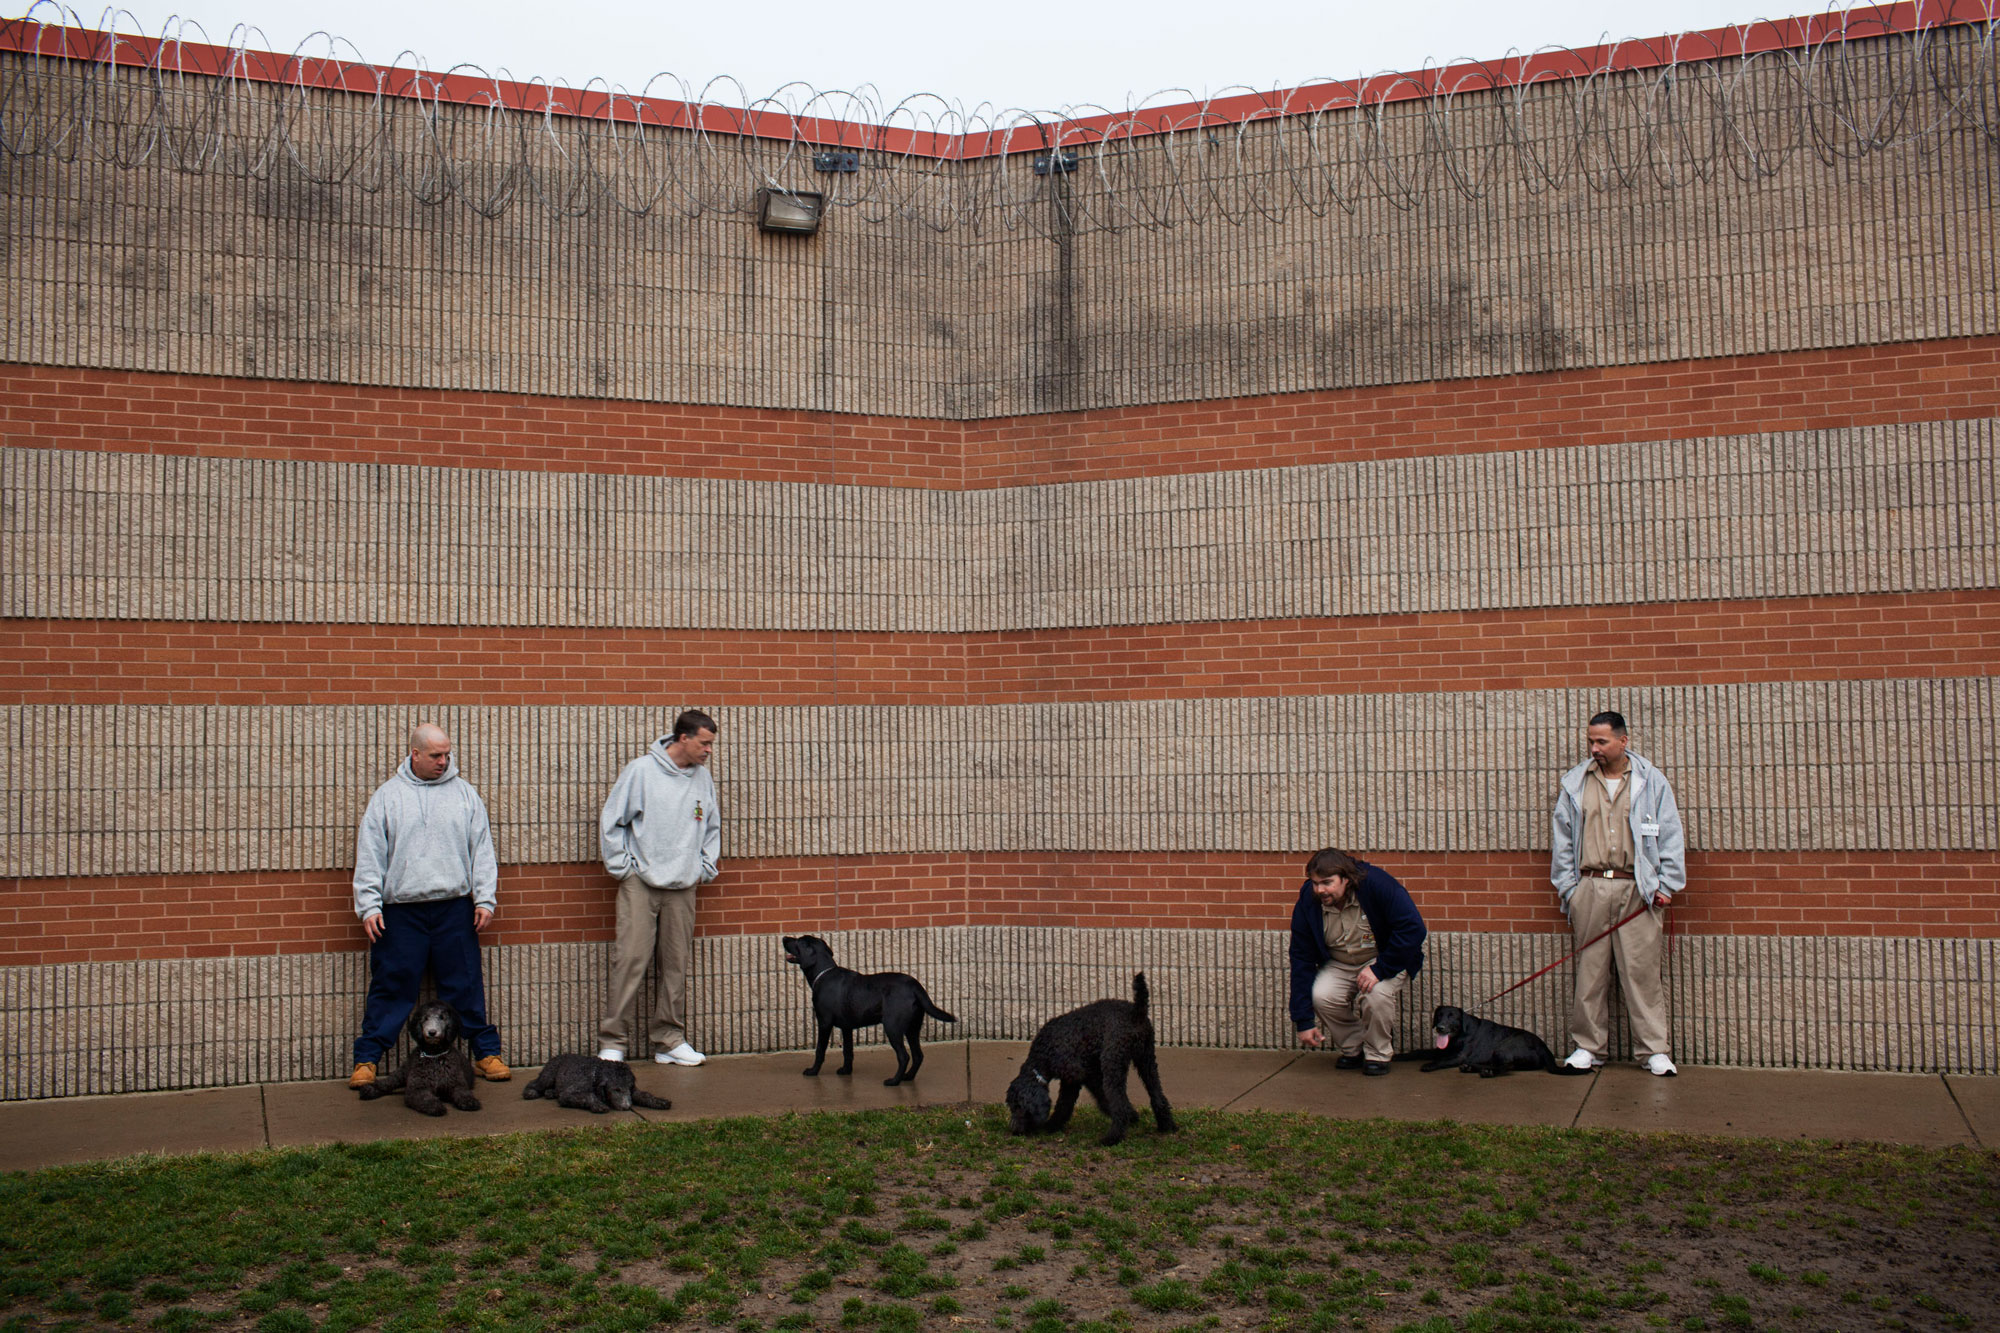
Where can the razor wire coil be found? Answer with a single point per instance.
(1688, 116)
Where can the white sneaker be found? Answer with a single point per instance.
(682, 1054)
(611, 1053)
(1660, 1065)
(1582, 1059)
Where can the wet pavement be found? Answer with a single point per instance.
(1925, 1109)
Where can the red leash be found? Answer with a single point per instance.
(1634, 916)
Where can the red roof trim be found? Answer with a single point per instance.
(596, 103)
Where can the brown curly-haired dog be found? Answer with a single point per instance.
(437, 1072)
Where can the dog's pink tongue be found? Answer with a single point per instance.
(1442, 1041)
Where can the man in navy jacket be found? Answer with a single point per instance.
(1356, 939)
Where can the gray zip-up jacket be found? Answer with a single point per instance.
(662, 822)
(1659, 847)
(424, 841)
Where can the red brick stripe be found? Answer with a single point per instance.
(126, 411)
(1816, 638)
(1933, 895)
(1854, 386)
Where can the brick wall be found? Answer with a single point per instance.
(1245, 518)
(1901, 635)
(1882, 895)
(129, 412)
(135, 663)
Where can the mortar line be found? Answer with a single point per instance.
(1959, 1106)
(1576, 1120)
(1296, 1057)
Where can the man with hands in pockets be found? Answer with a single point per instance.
(1617, 848)
(661, 836)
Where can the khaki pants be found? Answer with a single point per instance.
(653, 924)
(1353, 1024)
(1595, 906)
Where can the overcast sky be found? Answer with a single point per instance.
(1112, 53)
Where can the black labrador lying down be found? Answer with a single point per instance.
(1092, 1047)
(848, 1000)
(1479, 1046)
(437, 1072)
(587, 1083)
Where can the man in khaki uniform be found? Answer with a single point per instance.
(1357, 938)
(1617, 846)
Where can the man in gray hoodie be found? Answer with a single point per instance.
(1617, 850)
(425, 885)
(661, 836)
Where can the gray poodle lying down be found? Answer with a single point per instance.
(587, 1083)
(437, 1070)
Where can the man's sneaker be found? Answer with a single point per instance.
(1375, 1068)
(612, 1053)
(1660, 1065)
(493, 1069)
(682, 1054)
(1348, 1062)
(1582, 1059)
(363, 1075)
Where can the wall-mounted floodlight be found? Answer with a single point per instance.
(794, 212)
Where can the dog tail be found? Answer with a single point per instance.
(930, 1007)
(1142, 995)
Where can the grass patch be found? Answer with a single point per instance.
(901, 1221)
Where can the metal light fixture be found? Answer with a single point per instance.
(794, 212)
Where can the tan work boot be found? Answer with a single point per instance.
(363, 1075)
(493, 1069)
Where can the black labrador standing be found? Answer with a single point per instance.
(848, 1000)
(1480, 1046)
(1092, 1047)
(437, 1071)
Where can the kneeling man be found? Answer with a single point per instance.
(1356, 939)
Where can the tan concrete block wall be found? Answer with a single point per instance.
(1908, 508)
(1775, 1001)
(1732, 208)
(1824, 765)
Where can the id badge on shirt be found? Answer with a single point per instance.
(1649, 830)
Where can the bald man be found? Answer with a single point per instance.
(425, 885)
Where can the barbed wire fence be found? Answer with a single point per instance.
(1690, 113)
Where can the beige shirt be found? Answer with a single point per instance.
(1348, 936)
(1607, 824)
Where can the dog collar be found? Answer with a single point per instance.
(812, 983)
(426, 1055)
(1040, 1077)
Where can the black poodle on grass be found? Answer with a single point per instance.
(587, 1083)
(437, 1072)
(1092, 1048)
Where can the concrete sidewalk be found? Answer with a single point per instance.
(1926, 1109)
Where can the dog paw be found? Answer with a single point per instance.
(891, 1082)
(813, 1072)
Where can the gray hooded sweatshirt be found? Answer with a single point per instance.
(424, 841)
(661, 822)
(1659, 846)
